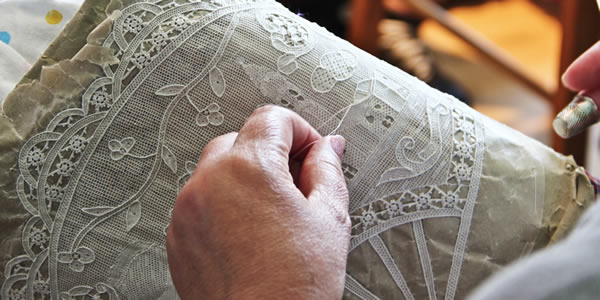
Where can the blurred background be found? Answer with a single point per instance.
(502, 57)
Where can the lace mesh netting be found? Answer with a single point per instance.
(100, 181)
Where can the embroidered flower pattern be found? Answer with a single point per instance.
(77, 259)
(394, 208)
(65, 167)
(464, 150)
(55, 193)
(101, 98)
(368, 218)
(423, 201)
(442, 198)
(119, 149)
(159, 39)
(462, 171)
(38, 237)
(35, 157)
(465, 126)
(77, 143)
(181, 22)
(133, 24)
(141, 59)
(210, 115)
(41, 287)
(450, 200)
(287, 31)
(14, 294)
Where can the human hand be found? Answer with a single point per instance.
(581, 76)
(584, 73)
(251, 223)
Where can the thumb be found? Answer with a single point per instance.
(321, 177)
(584, 72)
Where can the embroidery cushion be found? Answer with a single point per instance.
(98, 148)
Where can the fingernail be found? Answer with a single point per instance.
(338, 144)
(563, 79)
(581, 113)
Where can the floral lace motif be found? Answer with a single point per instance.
(289, 36)
(335, 66)
(100, 181)
(451, 195)
(50, 161)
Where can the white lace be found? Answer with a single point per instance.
(101, 180)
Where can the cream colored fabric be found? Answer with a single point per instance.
(99, 147)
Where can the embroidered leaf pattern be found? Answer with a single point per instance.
(217, 81)
(134, 213)
(64, 257)
(80, 290)
(170, 90)
(97, 211)
(395, 174)
(169, 159)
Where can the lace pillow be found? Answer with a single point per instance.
(99, 147)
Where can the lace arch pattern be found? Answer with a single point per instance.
(433, 171)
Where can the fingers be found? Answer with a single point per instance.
(189, 199)
(275, 131)
(218, 146)
(584, 72)
(321, 177)
(582, 76)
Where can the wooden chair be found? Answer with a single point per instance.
(580, 21)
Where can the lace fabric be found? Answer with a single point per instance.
(100, 180)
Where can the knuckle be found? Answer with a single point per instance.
(213, 146)
(267, 110)
(193, 198)
(241, 166)
(267, 117)
(188, 201)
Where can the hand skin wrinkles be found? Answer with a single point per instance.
(242, 226)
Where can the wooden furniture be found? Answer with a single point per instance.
(580, 21)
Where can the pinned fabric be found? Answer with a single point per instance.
(99, 146)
